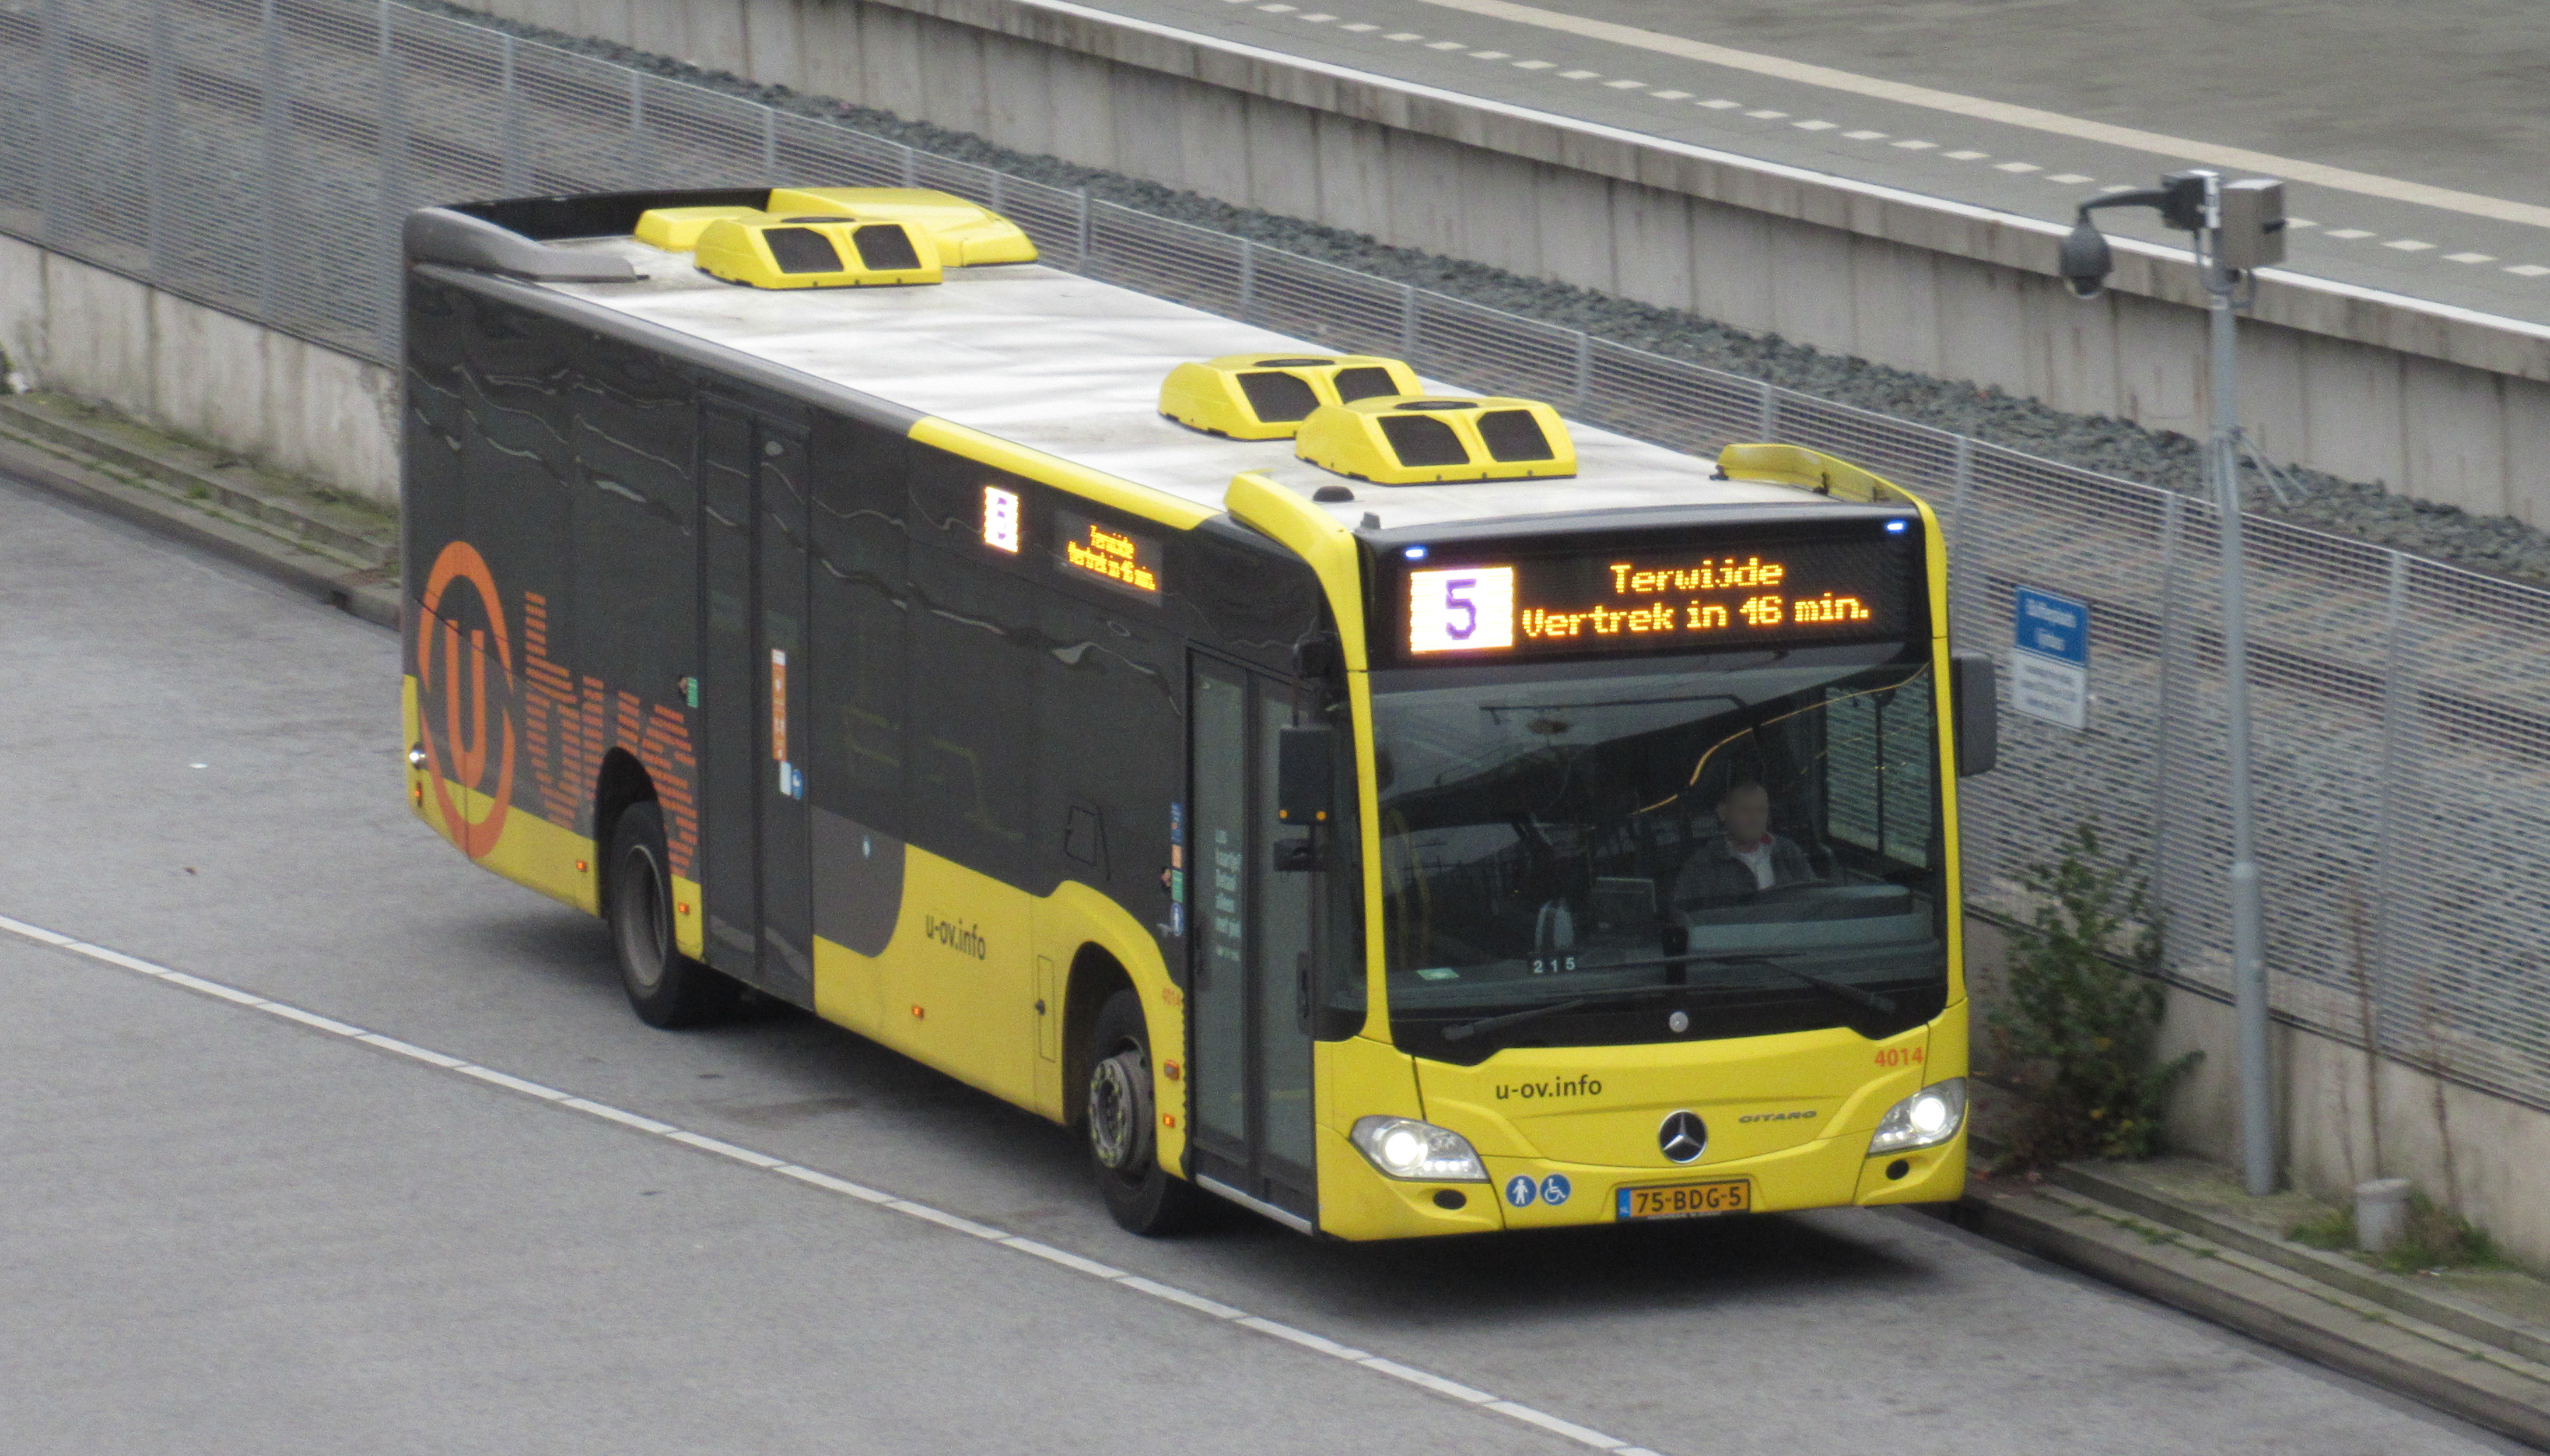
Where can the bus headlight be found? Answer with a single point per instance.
(1926, 1118)
(1419, 1152)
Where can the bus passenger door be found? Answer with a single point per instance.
(755, 883)
(1249, 1046)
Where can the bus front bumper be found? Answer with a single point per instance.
(1357, 1201)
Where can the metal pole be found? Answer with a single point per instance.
(2248, 951)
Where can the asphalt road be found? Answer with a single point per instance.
(2442, 95)
(221, 1231)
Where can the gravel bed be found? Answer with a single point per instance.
(2363, 510)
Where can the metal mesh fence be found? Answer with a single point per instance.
(257, 155)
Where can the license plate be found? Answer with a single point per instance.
(1686, 1200)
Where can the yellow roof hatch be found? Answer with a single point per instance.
(1268, 396)
(767, 251)
(678, 228)
(1416, 439)
(968, 234)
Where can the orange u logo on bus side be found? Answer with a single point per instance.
(445, 668)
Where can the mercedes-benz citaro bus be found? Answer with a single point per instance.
(1395, 811)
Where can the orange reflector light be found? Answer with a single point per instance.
(579, 866)
(918, 1013)
(683, 908)
(416, 794)
(1171, 1068)
(1168, 1119)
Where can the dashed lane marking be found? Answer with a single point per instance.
(2292, 169)
(824, 1182)
(1865, 134)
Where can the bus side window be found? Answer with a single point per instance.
(974, 650)
(1109, 738)
(859, 594)
(635, 422)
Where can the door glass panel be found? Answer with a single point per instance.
(1283, 903)
(1219, 879)
(786, 913)
(728, 696)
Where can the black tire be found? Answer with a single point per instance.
(1120, 1123)
(666, 986)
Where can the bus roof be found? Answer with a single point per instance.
(1071, 367)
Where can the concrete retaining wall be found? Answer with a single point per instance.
(2441, 403)
(197, 371)
(2483, 1156)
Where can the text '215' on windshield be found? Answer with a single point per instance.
(1683, 591)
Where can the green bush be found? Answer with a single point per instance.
(2077, 1033)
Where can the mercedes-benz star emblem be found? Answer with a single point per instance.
(1682, 1136)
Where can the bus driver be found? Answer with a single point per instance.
(1746, 858)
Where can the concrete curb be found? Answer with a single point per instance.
(2479, 1380)
(357, 591)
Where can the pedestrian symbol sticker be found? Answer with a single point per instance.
(1521, 1191)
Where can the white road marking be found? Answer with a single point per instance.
(1360, 27)
(2470, 257)
(1814, 126)
(1910, 144)
(2017, 166)
(1671, 95)
(2349, 234)
(1533, 65)
(1317, 20)
(1719, 103)
(2292, 169)
(2406, 244)
(1427, 1379)
(1865, 136)
(1402, 36)
(1967, 156)
(1578, 76)
(1177, 1296)
(1492, 55)
(2529, 270)
(1627, 85)
(1447, 44)
(828, 1182)
(1767, 114)
(1567, 1428)
(2069, 180)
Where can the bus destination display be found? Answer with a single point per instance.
(1661, 598)
(1129, 562)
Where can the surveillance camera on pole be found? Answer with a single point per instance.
(2238, 228)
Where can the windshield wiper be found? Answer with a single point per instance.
(1842, 990)
(1855, 995)
(1468, 1029)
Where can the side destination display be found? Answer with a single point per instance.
(1536, 598)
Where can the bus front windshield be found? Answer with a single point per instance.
(1602, 854)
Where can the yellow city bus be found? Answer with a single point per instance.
(1395, 811)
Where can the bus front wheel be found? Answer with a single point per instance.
(666, 986)
(1122, 1120)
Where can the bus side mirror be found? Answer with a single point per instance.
(1306, 772)
(1974, 685)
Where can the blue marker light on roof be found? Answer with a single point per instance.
(1415, 553)
(1895, 527)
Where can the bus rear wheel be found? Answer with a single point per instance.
(1124, 1151)
(666, 986)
